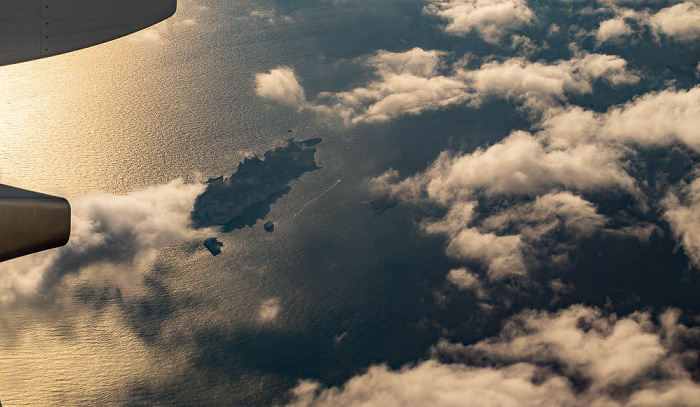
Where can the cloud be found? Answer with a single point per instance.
(613, 30)
(545, 228)
(505, 241)
(122, 232)
(680, 22)
(563, 210)
(607, 350)
(415, 62)
(517, 205)
(539, 85)
(663, 118)
(491, 19)
(415, 81)
(409, 83)
(433, 384)
(280, 85)
(269, 310)
(523, 45)
(501, 255)
(575, 357)
(521, 164)
(466, 280)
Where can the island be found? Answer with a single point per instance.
(246, 196)
(213, 245)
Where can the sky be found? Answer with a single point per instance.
(504, 209)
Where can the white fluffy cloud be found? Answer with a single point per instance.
(107, 230)
(521, 164)
(522, 183)
(280, 85)
(441, 385)
(521, 167)
(517, 368)
(660, 118)
(500, 255)
(409, 83)
(610, 351)
(680, 22)
(417, 80)
(613, 30)
(541, 85)
(491, 19)
(516, 204)
(502, 242)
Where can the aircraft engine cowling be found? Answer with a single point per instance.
(31, 222)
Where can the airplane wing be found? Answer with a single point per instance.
(33, 29)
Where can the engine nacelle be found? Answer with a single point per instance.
(31, 222)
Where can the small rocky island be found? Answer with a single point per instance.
(245, 197)
(213, 245)
(269, 227)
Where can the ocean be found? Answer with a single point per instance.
(178, 101)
